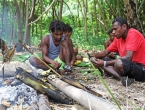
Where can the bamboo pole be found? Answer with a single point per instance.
(43, 102)
(83, 97)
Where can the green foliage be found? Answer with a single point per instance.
(94, 42)
(35, 41)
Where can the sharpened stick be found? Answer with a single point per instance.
(3, 71)
(2, 67)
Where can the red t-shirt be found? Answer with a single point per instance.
(133, 42)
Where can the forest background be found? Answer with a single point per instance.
(28, 20)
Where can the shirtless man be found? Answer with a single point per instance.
(110, 40)
(107, 43)
(74, 49)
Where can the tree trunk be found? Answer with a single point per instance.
(28, 42)
(41, 6)
(111, 10)
(15, 28)
(6, 29)
(26, 36)
(131, 15)
(53, 11)
(102, 17)
(10, 33)
(78, 15)
(19, 46)
(85, 18)
(60, 11)
(2, 17)
(95, 16)
(73, 19)
(28, 20)
(85, 26)
(91, 20)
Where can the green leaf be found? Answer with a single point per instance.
(83, 64)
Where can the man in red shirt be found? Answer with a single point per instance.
(130, 44)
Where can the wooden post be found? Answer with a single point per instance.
(88, 100)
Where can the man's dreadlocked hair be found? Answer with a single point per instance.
(57, 25)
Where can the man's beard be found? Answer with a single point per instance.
(57, 40)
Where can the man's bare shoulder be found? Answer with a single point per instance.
(45, 40)
(67, 38)
(108, 41)
(45, 37)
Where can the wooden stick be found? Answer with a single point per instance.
(2, 66)
(3, 71)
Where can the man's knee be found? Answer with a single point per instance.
(75, 50)
(119, 66)
(32, 60)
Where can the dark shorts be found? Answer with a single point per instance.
(133, 70)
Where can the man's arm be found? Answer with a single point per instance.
(44, 48)
(101, 54)
(106, 44)
(128, 55)
(100, 63)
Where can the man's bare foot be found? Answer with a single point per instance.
(127, 81)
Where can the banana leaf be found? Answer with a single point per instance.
(25, 56)
(22, 57)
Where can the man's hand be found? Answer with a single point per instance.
(55, 64)
(112, 55)
(97, 62)
(71, 63)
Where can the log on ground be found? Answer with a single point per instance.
(88, 100)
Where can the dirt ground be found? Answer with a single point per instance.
(129, 98)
